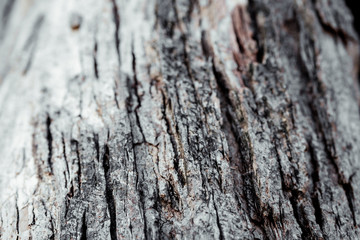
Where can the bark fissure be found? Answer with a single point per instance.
(221, 236)
(316, 179)
(17, 217)
(83, 228)
(75, 148)
(331, 155)
(251, 136)
(116, 19)
(49, 139)
(95, 60)
(109, 194)
(65, 157)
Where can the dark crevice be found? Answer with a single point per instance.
(116, 95)
(83, 228)
(350, 197)
(295, 195)
(109, 195)
(116, 19)
(52, 229)
(353, 6)
(65, 157)
(234, 24)
(317, 106)
(141, 196)
(97, 146)
(337, 33)
(75, 148)
(136, 86)
(315, 179)
(221, 237)
(253, 10)
(173, 196)
(17, 218)
(95, 61)
(140, 190)
(331, 155)
(305, 230)
(228, 107)
(133, 103)
(49, 139)
(174, 144)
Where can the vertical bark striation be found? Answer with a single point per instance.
(179, 119)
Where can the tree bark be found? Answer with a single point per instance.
(179, 119)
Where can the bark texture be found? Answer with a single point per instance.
(179, 119)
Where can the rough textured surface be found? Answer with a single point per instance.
(186, 119)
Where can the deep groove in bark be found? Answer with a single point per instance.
(97, 146)
(253, 9)
(49, 139)
(316, 180)
(116, 19)
(251, 198)
(95, 60)
(353, 7)
(174, 144)
(17, 217)
(330, 151)
(246, 139)
(83, 227)
(75, 148)
(65, 157)
(221, 237)
(109, 195)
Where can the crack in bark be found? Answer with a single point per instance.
(317, 105)
(133, 93)
(116, 19)
(116, 94)
(95, 60)
(65, 157)
(253, 9)
(332, 157)
(97, 146)
(136, 91)
(52, 229)
(109, 195)
(75, 148)
(173, 141)
(329, 28)
(316, 179)
(294, 195)
(221, 237)
(49, 139)
(17, 217)
(228, 105)
(84, 228)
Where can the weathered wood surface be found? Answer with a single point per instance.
(180, 119)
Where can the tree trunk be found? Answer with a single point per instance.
(184, 119)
